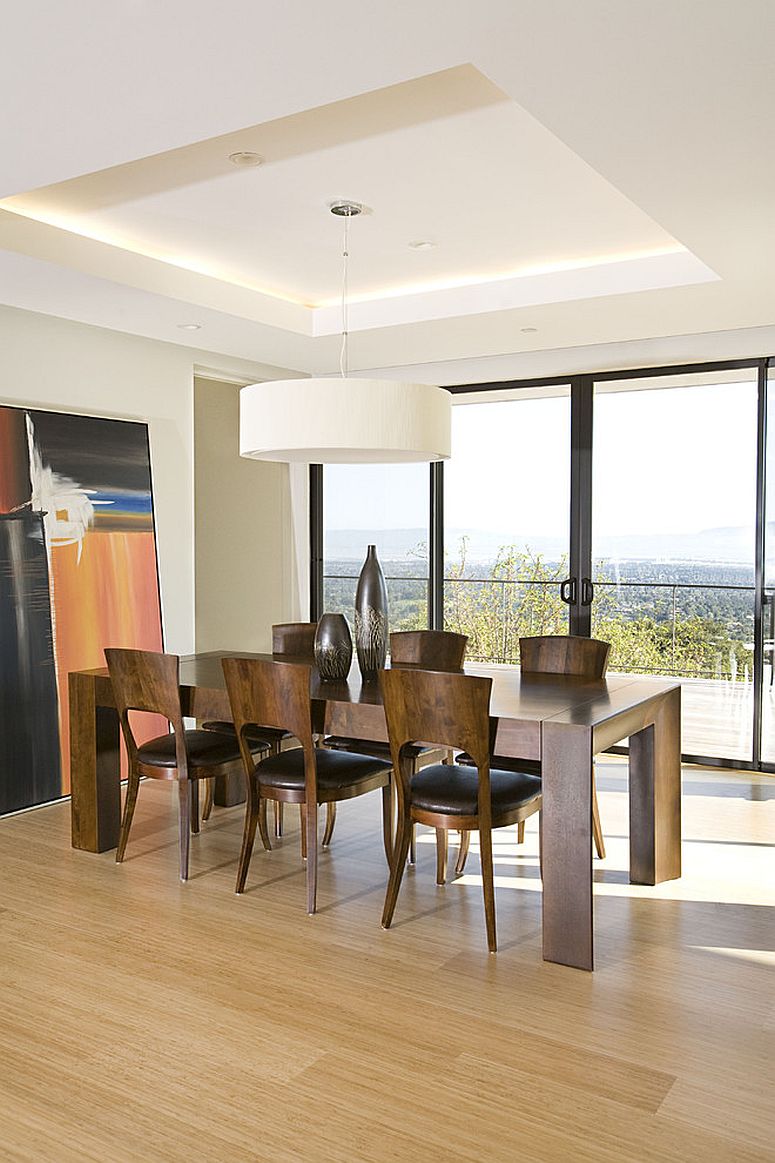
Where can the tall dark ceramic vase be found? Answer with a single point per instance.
(371, 616)
(333, 647)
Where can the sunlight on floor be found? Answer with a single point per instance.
(724, 860)
(757, 956)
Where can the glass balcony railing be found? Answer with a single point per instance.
(671, 628)
(677, 628)
(699, 633)
(407, 598)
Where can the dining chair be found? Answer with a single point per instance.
(562, 654)
(288, 638)
(278, 694)
(453, 709)
(144, 680)
(431, 650)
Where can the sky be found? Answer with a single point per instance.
(666, 460)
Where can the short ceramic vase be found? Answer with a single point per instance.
(333, 647)
(371, 616)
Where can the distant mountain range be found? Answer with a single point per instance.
(725, 544)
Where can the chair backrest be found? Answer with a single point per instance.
(564, 654)
(270, 694)
(452, 710)
(297, 638)
(433, 649)
(145, 680)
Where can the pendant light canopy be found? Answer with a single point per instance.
(339, 420)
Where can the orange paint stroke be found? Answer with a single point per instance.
(108, 598)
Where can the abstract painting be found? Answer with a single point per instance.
(78, 573)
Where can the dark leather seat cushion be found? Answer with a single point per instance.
(503, 763)
(261, 734)
(453, 791)
(336, 769)
(373, 747)
(204, 748)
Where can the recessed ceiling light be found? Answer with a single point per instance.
(244, 157)
(189, 326)
(422, 244)
(528, 330)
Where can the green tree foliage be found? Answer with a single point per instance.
(700, 634)
(519, 596)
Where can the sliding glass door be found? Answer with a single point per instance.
(673, 544)
(507, 521)
(766, 654)
(638, 507)
(386, 505)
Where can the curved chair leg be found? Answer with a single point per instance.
(252, 807)
(441, 855)
(597, 830)
(207, 805)
(330, 821)
(275, 749)
(132, 785)
(311, 822)
(412, 840)
(387, 822)
(521, 832)
(462, 855)
(194, 795)
(262, 825)
(184, 823)
(485, 849)
(303, 819)
(400, 852)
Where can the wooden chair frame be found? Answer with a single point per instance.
(288, 638)
(454, 710)
(574, 656)
(144, 680)
(432, 650)
(277, 694)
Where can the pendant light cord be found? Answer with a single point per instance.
(343, 352)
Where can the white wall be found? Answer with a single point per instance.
(245, 567)
(245, 551)
(51, 363)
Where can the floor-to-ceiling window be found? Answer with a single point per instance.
(673, 520)
(630, 505)
(766, 654)
(383, 505)
(506, 521)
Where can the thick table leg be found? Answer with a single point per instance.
(566, 774)
(95, 777)
(229, 789)
(655, 796)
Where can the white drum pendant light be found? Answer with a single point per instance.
(324, 420)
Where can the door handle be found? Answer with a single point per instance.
(568, 591)
(587, 592)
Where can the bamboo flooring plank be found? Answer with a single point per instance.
(602, 1075)
(522, 1115)
(746, 1112)
(145, 1020)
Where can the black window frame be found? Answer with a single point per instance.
(582, 387)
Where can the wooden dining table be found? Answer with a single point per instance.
(561, 721)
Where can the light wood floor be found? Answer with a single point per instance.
(145, 1020)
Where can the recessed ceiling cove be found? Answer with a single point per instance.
(514, 217)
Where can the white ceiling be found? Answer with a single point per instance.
(597, 172)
